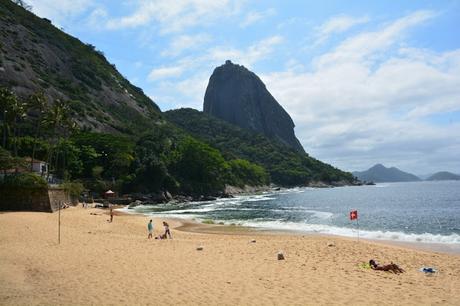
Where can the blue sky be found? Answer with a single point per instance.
(365, 82)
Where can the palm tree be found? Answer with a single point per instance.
(38, 103)
(18, 114)
(59, 121)
(7, 100)
(13, 110)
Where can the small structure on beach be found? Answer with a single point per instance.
(109, 194)
(38, 166)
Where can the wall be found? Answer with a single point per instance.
(20, 199)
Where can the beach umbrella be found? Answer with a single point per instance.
(109, 193)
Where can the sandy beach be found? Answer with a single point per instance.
(102, 263)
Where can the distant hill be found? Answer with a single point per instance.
(286, 165)
(380, 174)
(443, 176)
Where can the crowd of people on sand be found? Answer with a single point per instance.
(165, 235)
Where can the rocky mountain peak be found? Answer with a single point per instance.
(238, 96)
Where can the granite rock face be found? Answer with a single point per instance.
(238, 96)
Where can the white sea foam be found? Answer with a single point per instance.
(308, 228)
(320, 214)
(350, 232)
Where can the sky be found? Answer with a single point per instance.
(365, 82)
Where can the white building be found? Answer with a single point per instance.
(38, 166)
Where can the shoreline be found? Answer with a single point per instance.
(194, 226)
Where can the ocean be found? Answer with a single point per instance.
(422, 212)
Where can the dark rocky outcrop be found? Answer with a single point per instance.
(238, 96)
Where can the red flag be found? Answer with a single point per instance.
(353, 214)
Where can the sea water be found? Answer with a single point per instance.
(425, 212)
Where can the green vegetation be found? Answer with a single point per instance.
(24, 180)
(200, 168)
(73, 188)
(163, 158)
(245, 173)
(285, 166)
(208, 221)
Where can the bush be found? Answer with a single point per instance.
(73, 188)
(25, 180)
(245, 173)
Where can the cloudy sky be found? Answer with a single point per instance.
(364, 83)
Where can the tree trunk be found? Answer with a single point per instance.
(15, 149)
(37, 135)
(5, 133)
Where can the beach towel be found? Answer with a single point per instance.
(364, 265)
(428, 270)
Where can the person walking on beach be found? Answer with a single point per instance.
(167, 232)
(111, 214)
(150, 228)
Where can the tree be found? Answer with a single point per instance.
(245, 173)
(37, 102)
(153, 155)
(7, 100)
(113, 153)
(13, 110)
(9, 162)
(200, 168)
(59, 121)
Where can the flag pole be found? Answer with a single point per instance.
(59, 224)
(357, 223)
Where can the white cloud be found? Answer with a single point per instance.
(185, 42)
(59, 12)
(359, 47)
(165, 72)
(357, 108)
(254, 53)
(95, 17)
(174, 16)
(253, 17)
(337, 24)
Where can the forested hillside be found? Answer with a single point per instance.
(286, 166)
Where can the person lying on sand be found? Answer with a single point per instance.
(390, 267)
(161, 237)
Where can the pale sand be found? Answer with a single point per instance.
(113, 263)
